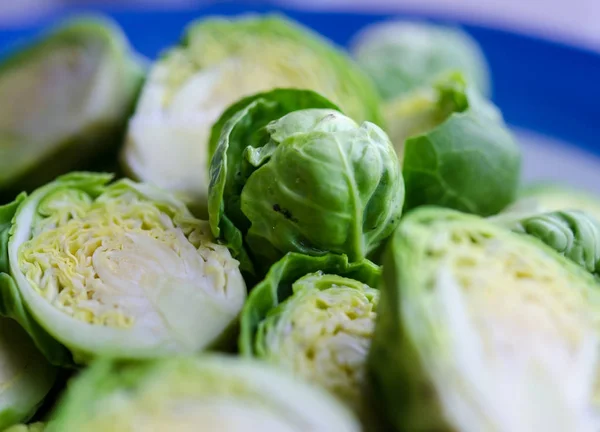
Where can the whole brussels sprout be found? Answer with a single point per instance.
(122, 269)
(401, 56)
(218, 62)
(310, 181)
(455, 149)
(315, 316)
(479, 328)
(210, 393)
(26, 377)
(65, 99)
(572, 233)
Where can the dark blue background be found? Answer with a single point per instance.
(548, 87)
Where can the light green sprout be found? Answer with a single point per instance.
(321, 330)
(482, 329)
(65, 99)
(289, 178)
(119, 269)
(401, 56)
(208, 393)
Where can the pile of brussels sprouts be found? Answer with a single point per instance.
(260, 232)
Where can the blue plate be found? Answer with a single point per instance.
(548, 92)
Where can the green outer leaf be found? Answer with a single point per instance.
(457, 163)
(573, 234)
(97, 141)
(240, 126)
(398, 359)
(393, 359)
(287, 100)
(424, 109)
(211, 378)
(349, 87)
(7, 213)
(277, 286)
(22, 394)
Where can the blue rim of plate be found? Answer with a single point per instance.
(544, 86)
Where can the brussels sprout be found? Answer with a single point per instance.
(33, 427)
(401, 56)
(65, 99)
(541, 198)
(218, 62)
(482, 329)
(209, 393)
(26, 377)
(119, 269)
(572, 233)
(455, 149)
(288, 179)
(314, 316)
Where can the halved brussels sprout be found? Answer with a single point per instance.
(541, 198)
(25, 375)
(572, 233)
(401, 56)
(315, 316)
(65, 98)
(219, 62)
(209, 394)
(483, 329)
(119, 269)
(455, 149)
(285, 178)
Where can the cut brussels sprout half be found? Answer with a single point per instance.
(314, 316)
(26, 377)
(219, 62)
(541, 198)
(65, 99)
(572, 233)
(209, 393)
(119, 269)
(401, 56)
(455, 149)
(482, 329)
(285, 178)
